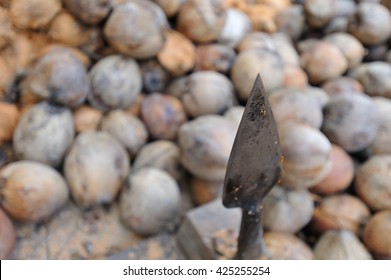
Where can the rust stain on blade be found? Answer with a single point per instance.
(254, 164)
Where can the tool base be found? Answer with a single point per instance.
(210, 232)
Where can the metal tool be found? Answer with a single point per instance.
(254, 167)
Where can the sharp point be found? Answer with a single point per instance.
(258, 85)
(259, 78)
(258, 81)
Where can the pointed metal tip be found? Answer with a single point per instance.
(258, 79)
(258, 84)
(255, 157)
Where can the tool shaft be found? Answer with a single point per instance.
(250, 242)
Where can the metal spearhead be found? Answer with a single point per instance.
(254, 167)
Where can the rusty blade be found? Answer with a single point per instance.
(254, 164)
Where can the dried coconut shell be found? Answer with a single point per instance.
(65, 29)
(340, 245)
(214, 57)
(286, 246)
(255, 40)
(287, 210)
(127, 129)
(296, 105)
(341, 174)
(7, 77)
(162, 115)
(381, 144)
(294, 77)
(170, 7)
(306, 153)
(115, 82)
(7, 236)
(31, 191)
(322, 61)
(203, 93)
(341, 85)
(48, 47)
(319, 13)
(89, 11)
(87, 118)
(374, 76)
(204, 191)
(206, 143)
(286, 49)
(59, 76)
(44, 133)
(236, 26)
(341, 211)
(136, 28)
(9, 117)
(6, 31)
(351, 121)
(372, 182)
(350, 47)
(370, 23)
(34, 14)
(377, 235)
(291, 21)
(178, 54)
(161, 154)
(154, 76)
(202, 20)
(262, 17)
(151, 201)
(105, 165)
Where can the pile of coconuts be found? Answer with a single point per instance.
(133, 105)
